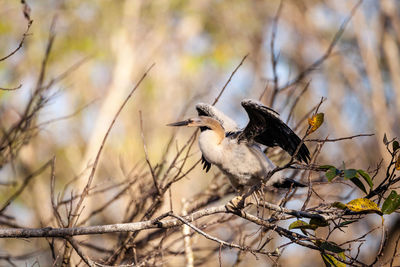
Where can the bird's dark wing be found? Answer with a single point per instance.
(265, 127)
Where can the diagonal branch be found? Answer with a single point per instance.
(96, 161)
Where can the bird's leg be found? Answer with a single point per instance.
(237, 203)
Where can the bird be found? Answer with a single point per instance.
(238, 152)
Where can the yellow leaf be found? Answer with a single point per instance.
(397, 164)
(363, 204)
(331, 261)
(315, 121)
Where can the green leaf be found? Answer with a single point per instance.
(330, 261)
(363, 205)
(395, 146)
(330, 246)
(299, 224)
(350, 173)
(339, 205)
(392, 203)
(318, 222)
(331, 173)
(366, 177)
(359, 184)
(326, 167)
(347, 223)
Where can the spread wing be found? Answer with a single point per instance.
(227, 123)
(265, 127)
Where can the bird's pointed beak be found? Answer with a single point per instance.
(180, 123)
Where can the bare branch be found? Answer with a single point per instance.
(328, 51)
(229, 80)
(147, 156)
(20, 43)
(337, 139)
(24, 185)
(96, 161)
(78, 250)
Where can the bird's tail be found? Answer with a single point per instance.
(287, 183)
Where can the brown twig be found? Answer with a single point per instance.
(52, 184)
(147, 155)
(11, 89)
(229, 80)
(274, 59)
(20, 42)
(394, 251)
(337, 139)
(328, 51)
(24, 185)
(79, 251)
(96, 161)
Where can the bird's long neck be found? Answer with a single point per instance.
(210, 140)
(216, 127)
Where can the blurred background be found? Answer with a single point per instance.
(195, 46)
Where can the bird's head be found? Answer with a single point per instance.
(205, 124)
(200, 121)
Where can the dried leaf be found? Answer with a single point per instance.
(363, 205)
(397, 165)
(316, 121)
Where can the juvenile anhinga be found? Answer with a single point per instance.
(237, 153)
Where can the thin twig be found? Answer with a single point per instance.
(394, 251)
(328, 51)
(78, 250)
(229, 80)
(337, 139)
(147, 155)
(96, 161)
(52, 184)
(24, 185)
(274, 59)
(210, 237)
(11, 89)
(20, 43)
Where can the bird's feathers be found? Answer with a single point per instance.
(265, 127)
(206, 164)
(208, 110)
(227, 123)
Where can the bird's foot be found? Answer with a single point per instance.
(235, 205)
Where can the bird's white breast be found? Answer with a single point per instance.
(210, 146)
(244, 164)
